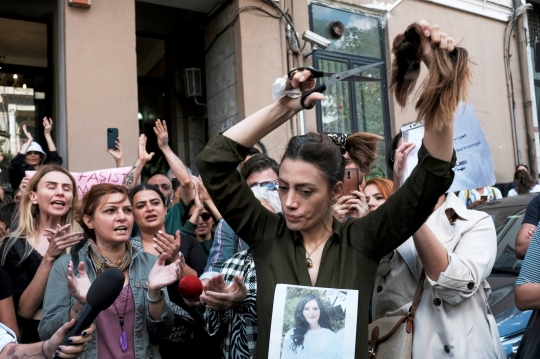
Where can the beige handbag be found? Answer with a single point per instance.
(392, 337)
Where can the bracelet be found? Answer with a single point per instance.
(43, 351)
(161, 297)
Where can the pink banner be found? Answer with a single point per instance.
(85, 180)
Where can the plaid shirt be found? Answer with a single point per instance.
(240, 324)
(226, 244)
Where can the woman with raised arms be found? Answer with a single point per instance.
(305, 245)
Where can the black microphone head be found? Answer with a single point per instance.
(105, 289)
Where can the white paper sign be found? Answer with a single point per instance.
(474, 166)
(314, 323)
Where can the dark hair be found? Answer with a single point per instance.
(6, 214)
(319, 150)
(301, 326)
(93, 199)
(522, 165)
(444, 86)
(145, 187)
(524, 181)
(322, 152)
(258, 163)
(393, 147)
(253, 151)
(188, 209)
(192, 204)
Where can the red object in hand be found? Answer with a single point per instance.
(190, 287)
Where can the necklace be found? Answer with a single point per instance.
(309, 262)
(123, 336)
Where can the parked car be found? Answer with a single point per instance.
(507, 214)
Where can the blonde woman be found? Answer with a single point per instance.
(46, 230)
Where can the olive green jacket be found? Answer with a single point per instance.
(349, 259)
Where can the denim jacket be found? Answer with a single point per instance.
(57, 303)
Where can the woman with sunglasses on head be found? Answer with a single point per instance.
(203, 218)
(141, 316)
(304, 245)
(46, 229)
(31, 156)
(206, 223)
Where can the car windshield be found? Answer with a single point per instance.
(507, 222)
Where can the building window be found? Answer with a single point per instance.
(356, 40)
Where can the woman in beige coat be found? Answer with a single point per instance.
(457, 248)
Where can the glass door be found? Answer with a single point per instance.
(25, 86)
(153, 98)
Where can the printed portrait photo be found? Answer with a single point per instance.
(313, 323)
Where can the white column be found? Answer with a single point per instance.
(13, 129)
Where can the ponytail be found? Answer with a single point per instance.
(362, 149)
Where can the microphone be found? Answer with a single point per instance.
(101, 295)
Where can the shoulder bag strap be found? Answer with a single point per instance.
(408, 318)
(416, 300)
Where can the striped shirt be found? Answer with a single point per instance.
(530, 272)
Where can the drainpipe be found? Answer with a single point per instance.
(527, 82)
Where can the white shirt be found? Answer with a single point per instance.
(468, 196)
(6, 336)
(452, 319)
(535, 189)
(318, 344)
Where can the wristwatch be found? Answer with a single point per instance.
(161, 297)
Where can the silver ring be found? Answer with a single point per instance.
(84, 347)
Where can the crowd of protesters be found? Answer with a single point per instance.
(244, 226)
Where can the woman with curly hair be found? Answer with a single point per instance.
(312, 335)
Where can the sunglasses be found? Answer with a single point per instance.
(206, 216)
(271, 185)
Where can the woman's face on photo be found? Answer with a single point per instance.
(312, 312)
(304, 194)
(148, 209)
(374, 198)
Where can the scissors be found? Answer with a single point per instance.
(349, 75)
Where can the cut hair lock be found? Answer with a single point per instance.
(444, 87)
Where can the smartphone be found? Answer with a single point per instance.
(112, 136)
(351, 181)
(484, 198)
